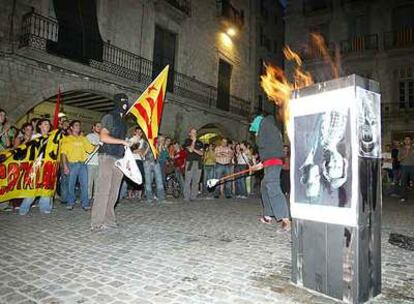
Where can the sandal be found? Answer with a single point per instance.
(286, 226)
(265, 220)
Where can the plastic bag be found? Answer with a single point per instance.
(129, 167)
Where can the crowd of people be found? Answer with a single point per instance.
(398, 167)
(192, 163)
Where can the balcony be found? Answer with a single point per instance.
(359, 44)
(399, 39)
(182, 5)
(41, 33)
(312, 7)
(230, 16)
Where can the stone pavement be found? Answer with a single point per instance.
(203, 252)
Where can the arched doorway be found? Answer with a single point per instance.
(86, 106)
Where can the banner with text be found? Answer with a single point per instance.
(31, 169)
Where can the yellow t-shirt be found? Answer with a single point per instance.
(209, 158)
(76, 148)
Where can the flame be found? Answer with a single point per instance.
(317, 43)
(278, 88)
(276, 85)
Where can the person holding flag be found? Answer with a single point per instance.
(148, 112)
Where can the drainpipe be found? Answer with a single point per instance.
(11, 32)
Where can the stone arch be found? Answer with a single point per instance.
(43, 83)
(213, 128)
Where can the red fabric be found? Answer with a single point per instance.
(273, 162)
(179, 159)
(55, 124)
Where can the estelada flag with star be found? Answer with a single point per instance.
(148, 108)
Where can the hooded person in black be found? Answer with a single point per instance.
(270, 144)
(113, 134)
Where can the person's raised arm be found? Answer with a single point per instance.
(106, 138)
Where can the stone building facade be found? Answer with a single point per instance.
(270, 32)
(96, 48)
(375, 39)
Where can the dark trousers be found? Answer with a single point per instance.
(273, 199)
(285, 181)
(407, 173)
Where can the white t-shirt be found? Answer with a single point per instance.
(387, 162)
(94, 140)
(242, 159)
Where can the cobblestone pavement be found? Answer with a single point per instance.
(203, 252)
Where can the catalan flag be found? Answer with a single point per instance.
(148, 108)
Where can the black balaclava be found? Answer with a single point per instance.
(121, 104)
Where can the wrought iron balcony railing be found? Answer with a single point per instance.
(399, 39)
(359, 44)
(230, 14)
(182, 5)
(311, 7)
(42, 33)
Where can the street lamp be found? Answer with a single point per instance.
(231, 31)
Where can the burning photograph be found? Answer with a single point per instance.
(323, 159)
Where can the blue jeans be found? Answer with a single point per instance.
(78, 171)
(223, 170)
(152, 169)
(64, 181)
(241, 181)
(45, 205)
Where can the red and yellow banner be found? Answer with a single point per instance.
(148, 108)
(31, 169)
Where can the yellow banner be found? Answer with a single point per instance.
(31, 169)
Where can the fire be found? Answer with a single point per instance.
(318, 44)
(277, 86)
(279, 89)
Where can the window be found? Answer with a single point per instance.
(321, 29)
(223, 85)
(260, 103)
(261, 36)
(275, 46)
(403, 17)
(359, 26)
(164, 54)
(406, 88)
(263, 10)
(79, 37)
(267, 43)
(310, 6)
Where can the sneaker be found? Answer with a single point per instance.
(69, 207)
(87, 208)
(403, 200)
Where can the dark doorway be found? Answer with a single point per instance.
(164, 54)
(79, 37)
(223, 86)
